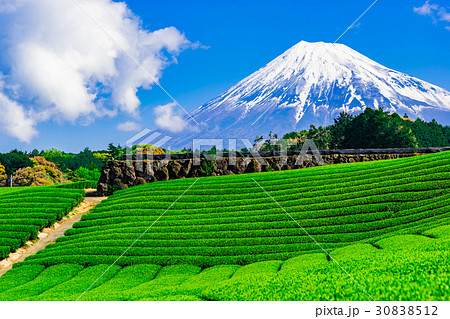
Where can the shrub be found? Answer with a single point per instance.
(79, 185)
(2, 172)
(3, 176)
(208, 167)
(43, 173)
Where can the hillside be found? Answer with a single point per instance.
(232, 220)
(387, 270)
(385, 223)
(25, 211)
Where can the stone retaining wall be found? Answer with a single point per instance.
(122, 174)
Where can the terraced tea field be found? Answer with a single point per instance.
(405, 267)
(258, 237)
(26, 211)
(232, 220)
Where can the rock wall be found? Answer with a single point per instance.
(122, 174)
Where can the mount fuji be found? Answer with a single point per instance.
(311, 83)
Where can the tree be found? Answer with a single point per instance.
(147, 149)
(42, 173)
(2, 172)
(14, 160)
(49, 167)
(3, 175)
(102, 156)
(51, 153)
(370, 129)
(320, 136)
(258, 140)
(446, 132)
(25, 177)
(377, 129)
(86, 174)
(339, 129)
(115, 151)
(71, 162)
(293, 135)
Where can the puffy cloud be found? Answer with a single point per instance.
(444, 15)
(129, 126)
(169, 118)
(14, 120)
(438, 13)
(67, 64)
(426, 9)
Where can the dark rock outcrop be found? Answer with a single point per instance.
(119, 175)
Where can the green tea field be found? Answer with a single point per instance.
(404, 267)
(26, 211)
(361, 231)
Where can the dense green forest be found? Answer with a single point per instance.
(52, 166)
(370, 129)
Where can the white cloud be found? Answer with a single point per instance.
(129, 126)
(14, 120)
(448, 28)
(438, 13)
(444, 15)
(65, 68)
(169, 118)
(426, 9)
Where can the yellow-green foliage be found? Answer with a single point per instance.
(3, 175)
(102, 156)
(43, 173)
(2, 172)
(147, 149)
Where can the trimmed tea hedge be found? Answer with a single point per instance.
(79, 185)
(402, 267)
(231, 220)
(26, 211)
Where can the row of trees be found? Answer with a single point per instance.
(370, 129)
(52, 166)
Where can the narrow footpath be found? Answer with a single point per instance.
(51, 234)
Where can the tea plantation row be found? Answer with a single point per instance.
(238, 220)
(404, 267)
(26, 211)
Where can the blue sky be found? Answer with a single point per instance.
(242, 36)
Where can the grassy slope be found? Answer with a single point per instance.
(223, 223)
(26, 210)
(231, 220)
(6, 190)
(404, 267)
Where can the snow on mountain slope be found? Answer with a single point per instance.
(311, 83)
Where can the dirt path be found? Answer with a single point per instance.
(49, 235)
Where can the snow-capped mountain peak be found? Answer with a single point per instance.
(311, 83)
